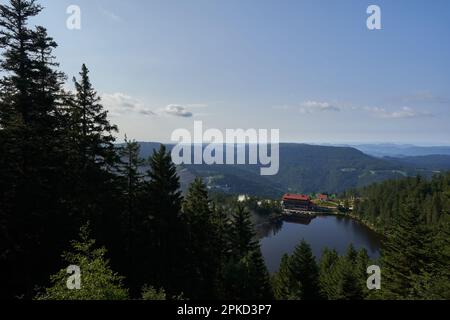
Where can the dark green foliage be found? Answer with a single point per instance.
(166, 232)
(406, 253)
(282, 281)
(34, 212)
(246, 278)
(242, 233)
(380, 204)
(132, 195)
(413, 214)
(349, 286)
(305, 273)
(344, 278)
(91, 129)
(150, 293)
(328, 277)
(245, 274)
(334, 278)
(98, 281)
(202, 252)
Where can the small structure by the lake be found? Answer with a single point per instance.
(322, 197)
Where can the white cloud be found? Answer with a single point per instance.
(309, 107)
(402, 113)
(120, 104)
(177, 110)
(317, 106)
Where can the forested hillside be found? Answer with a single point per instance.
(429, 162)
(414, 216)
(380, 204)
(311, 168)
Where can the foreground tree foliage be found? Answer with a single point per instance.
(413, 213)
(380, 204)
(150, 293)
(333, 278)
(98, 281)
(245, 275)
(305, 273)
(415, 258)
(198, 212)
(35, 216)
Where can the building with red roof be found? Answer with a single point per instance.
(293, 203)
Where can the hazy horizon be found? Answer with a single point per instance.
(399, 144)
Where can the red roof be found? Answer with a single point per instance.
(301, 197)
(323, 197)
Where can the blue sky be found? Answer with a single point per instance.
(310, 68)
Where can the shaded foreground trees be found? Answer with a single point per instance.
(59, 169)
(335, 277)
(414, 214)
(99, 282)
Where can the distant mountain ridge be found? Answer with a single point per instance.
(308, 168)
(434, 162)
(398, 151)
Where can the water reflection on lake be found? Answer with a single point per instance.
(323, 231)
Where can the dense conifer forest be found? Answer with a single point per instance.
(70, 196)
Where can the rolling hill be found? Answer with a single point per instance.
(308, 168)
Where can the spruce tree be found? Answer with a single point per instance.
(166, 225)
(242, 233)
(132, 192)
(404, 253)
(33, 205)
(349, 285)
(95, 134)
(18, 43)
(97, 280)
(282, 280)
(95, 162)
(328, 274)
(362, 263)
(305, 273)
(202, 253)
(221, 223)
(245, 273)
(258, 280)
(433, 283)
(221, 243)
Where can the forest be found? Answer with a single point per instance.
(69, 195)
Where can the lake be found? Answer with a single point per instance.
(323, 231)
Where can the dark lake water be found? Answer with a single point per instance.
(320, 232)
